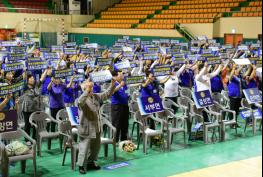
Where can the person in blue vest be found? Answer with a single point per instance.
(119, 107)
(250, 78)
(216, 82)
(235, 89)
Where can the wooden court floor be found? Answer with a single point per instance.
(245, 168)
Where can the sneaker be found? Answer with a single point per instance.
(93, 166)
(28, 143)
(82, 170)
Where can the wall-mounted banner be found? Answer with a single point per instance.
(243, 47)
(13, 66)
(101, 76)
(36, 65)
(87, 51)
(213, 60)
(73, 115)
(203, 99)
(161, 71)
(70, 51)
(17, 49)
(150, 56)
(16, 56)
(57, 48)
(77, 78)
(71, 44)
(103, 61)
(8, 43)
(178, 61)
(123, 65)
(257, 113)
(81, 65)
(253, 95)
(8, 121)
(11, 89)
(150, 105)
(45, 50)
(134, 80)
(51, 55)
(63, 73)
(34, 59)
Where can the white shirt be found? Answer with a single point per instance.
(171, 87)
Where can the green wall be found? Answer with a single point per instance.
(109, 40)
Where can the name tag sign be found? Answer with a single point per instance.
(243, 47)
(13, 66)
(80, 65)
(134, 80)
(253, 95)
(73, 115)
(63, 73)
(149, 56)
(123, 65)
(11, 89)
(36, 65)
(56, 48)
(87, 51)
(8, 121)
(203, 99)
(101, 76)
(257, 113)
(70, 51)
(213, 60)
(16, 56)
(103, 61)
(161, 71)
(150, 105)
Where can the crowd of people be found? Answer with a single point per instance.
(189, 63)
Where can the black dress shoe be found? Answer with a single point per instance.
(82, 170)
(93, 166)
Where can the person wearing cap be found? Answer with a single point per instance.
(119, 107)
(89, 128)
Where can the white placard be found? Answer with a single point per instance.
(123, 65)
(244, 61)
(101, 76)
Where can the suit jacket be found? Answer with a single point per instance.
(88, 108)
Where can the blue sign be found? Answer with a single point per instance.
(115, 166)
(150, 56)
(11, 89)
(70, 51)
(203, 99)
(8, 121)
(13, 66)
(253, 95)
(161, 71)
(149, 105)
(73, 115)
(80, 65)
(36, 65)
(63, 73)
(103, 61)
(16, 56)
(57, 48)
(247, 114)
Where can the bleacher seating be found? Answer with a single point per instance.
(253, 10)
(30, 6)
(2, 7)
(164, 14)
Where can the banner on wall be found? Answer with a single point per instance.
(8, 121)
(150, 105)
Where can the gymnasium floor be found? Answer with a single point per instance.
(196, 156)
